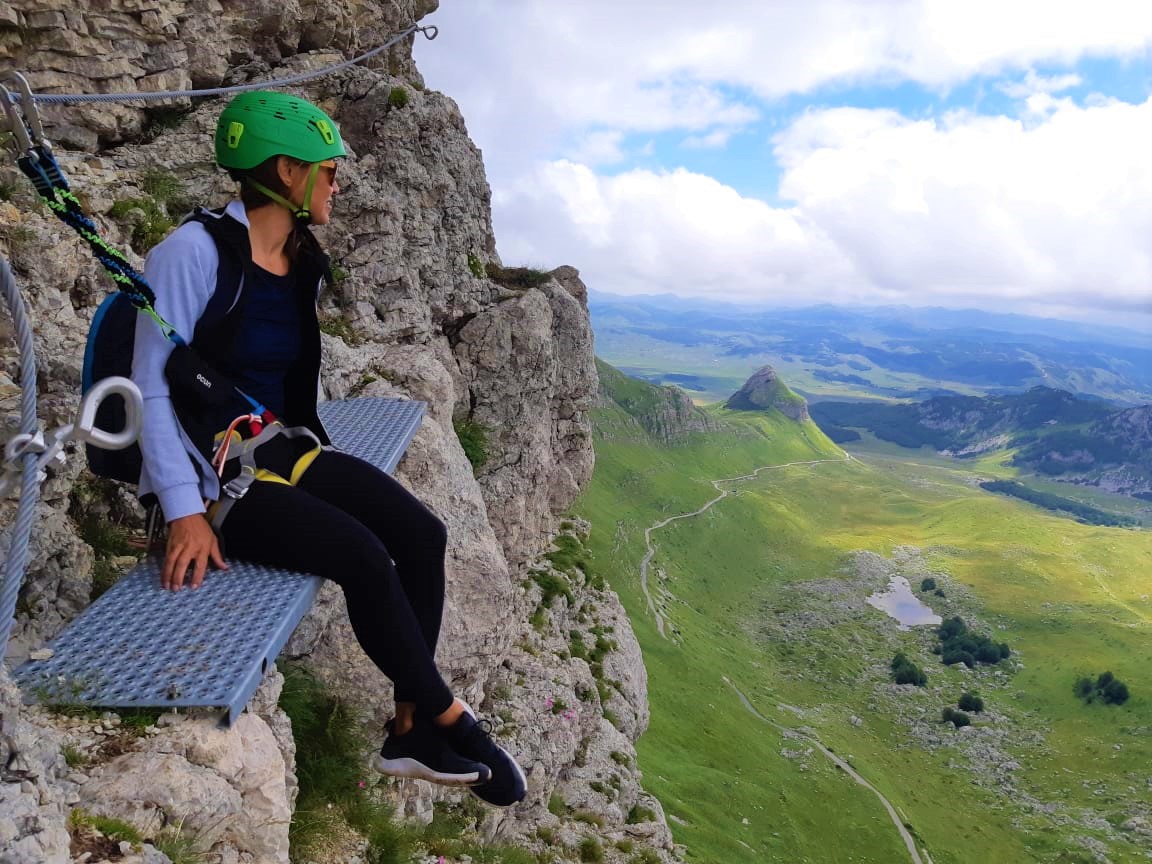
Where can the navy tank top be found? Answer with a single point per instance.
(268, 338)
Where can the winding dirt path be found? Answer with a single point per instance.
(909, 842)
(724, 493)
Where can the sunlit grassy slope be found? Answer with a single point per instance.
(1069, 599)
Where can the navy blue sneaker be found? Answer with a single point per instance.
(471, 738)
(424, 755)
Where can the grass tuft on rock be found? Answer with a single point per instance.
(332, 755)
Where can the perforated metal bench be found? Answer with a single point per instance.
(139, 646)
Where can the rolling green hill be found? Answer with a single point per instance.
(762, 594)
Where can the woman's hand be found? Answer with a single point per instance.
(191, 543)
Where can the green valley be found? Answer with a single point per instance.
(764, 596)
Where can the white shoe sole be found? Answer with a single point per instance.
(416, 770)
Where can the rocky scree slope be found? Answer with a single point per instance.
(409, 316)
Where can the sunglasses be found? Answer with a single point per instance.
(329, 165)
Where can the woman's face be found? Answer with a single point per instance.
(322, 191)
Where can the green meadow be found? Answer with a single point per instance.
(760, 590)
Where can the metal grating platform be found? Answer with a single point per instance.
(139, 646)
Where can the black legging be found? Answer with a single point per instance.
(348, 522)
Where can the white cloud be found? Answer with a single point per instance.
(525, 71)
(1046, 209)
(716, 140)
(603, 147)
(1034, 84)
(642, 231)
(968, 210)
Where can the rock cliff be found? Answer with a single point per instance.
(412, 314)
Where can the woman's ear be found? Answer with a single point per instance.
(285, 170)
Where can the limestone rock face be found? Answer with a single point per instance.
(407, 316)
(33, 812)
(764, 390)
(149, 45)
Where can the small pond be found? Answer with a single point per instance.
(900, 603)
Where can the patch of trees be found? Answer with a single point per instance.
(839, 434)
(958, 644)
(1080, 512)
(904, 671)
(956, 718)
(1107, 688)
(1042, 452)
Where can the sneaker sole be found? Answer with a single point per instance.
(416, 770)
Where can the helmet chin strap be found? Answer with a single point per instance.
(302, 212)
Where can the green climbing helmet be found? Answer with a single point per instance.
(260, 124)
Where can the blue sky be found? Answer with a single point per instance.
(977, 154)
(747, 162)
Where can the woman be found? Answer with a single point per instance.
(297, 504)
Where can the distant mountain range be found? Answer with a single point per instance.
(1051, 433)
(824, 352)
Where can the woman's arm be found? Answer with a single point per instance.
(182, 272)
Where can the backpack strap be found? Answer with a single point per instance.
(216, 329)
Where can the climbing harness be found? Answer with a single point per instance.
(30, 452)
(246, 451)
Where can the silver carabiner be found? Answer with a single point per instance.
(26, 125)
(85, 429)
(16, 124)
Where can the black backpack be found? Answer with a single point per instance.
(111, 337)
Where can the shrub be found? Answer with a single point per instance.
(336, 325)
(518, 278)
(1107, 688)
(473, 438)
(475, 266)
(553, 585)
(398, 98)
(905, 671)
(149, 226)
(928, 584)
(956, 718)
(114, 829)
(971, 702)
(591, 850)
(958, 644)
(639, 813)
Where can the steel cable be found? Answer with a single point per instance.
(429, 31)
(30, 483)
